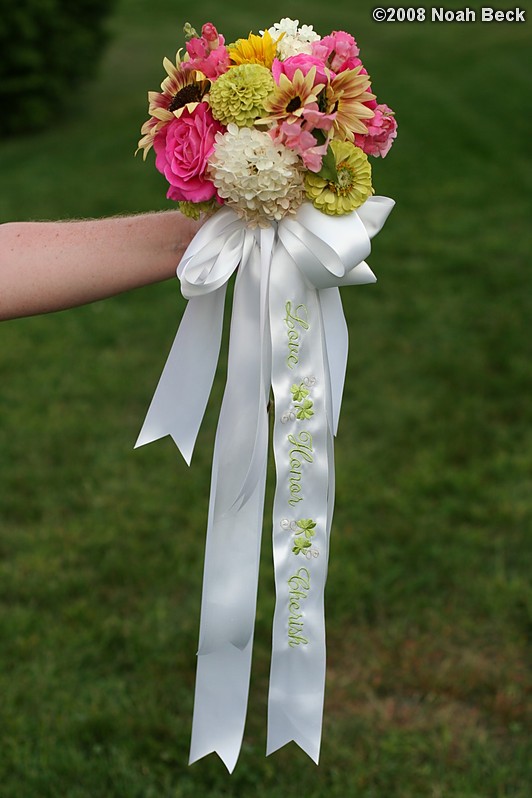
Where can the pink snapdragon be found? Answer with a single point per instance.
(211, 36)
(339, 51)
(208, 52)
(382, 130)
(182, 148)
(297, 137)
(315, 118)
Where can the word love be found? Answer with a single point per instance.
(294, 320)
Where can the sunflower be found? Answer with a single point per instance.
(289, 97)
(345, 95)
(254, 50)
(349, 189)
(182, 88)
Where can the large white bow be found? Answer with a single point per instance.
(288, 332)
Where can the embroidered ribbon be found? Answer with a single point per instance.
(288, 331)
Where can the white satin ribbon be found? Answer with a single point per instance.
(301, 261)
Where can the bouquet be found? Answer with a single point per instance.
(270, 138)
(267, 123)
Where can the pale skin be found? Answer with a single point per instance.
(48, 266)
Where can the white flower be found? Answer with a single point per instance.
(262, 180)
(295, 40)
(286, 25)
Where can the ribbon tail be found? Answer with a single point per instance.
(302, 429)
(283, 730)
(234, 532)
(337, 343)
(181, 396)
(220, 708)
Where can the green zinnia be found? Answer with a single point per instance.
(194, 209)
(238, 95)
(349, 189)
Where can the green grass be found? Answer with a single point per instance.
(429, 605)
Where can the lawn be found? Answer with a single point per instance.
(429, 604)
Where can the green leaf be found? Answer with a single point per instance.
(328, 167)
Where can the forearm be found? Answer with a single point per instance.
(46, 266)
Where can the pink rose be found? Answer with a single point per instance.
(182, 148)
(339, 51)
(382, 130)
(302, 62)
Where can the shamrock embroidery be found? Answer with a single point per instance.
(306, 527)
(300, 544)
(304, 410)
(299, 392)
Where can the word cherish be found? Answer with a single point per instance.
(299, 585)
(300, 453)
(295, 321)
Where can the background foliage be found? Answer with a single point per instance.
(429, 600)
(49, 48)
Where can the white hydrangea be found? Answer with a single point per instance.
(296, 39)
(262, 180)
(286, 25)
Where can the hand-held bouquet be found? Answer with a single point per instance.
(269, 137)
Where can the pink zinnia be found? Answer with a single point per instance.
(382, 130)
(183, 148)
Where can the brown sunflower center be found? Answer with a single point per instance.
(293, 105)
(188, 94)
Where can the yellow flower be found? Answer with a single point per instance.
(254, 50)
(346, 94)
(290, 97)
(351, 187)
(239, 94)
(183, 88)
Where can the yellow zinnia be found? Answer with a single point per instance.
(349, 189)
(254, 50)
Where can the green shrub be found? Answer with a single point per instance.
(49, 48)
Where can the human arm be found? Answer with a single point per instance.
(47, 266)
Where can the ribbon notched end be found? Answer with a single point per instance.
(146, 436)
(228, 757)
(220, 704)
(309, 747)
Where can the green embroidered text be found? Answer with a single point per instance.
(299, 585)
(300, 453)
(295, 321)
